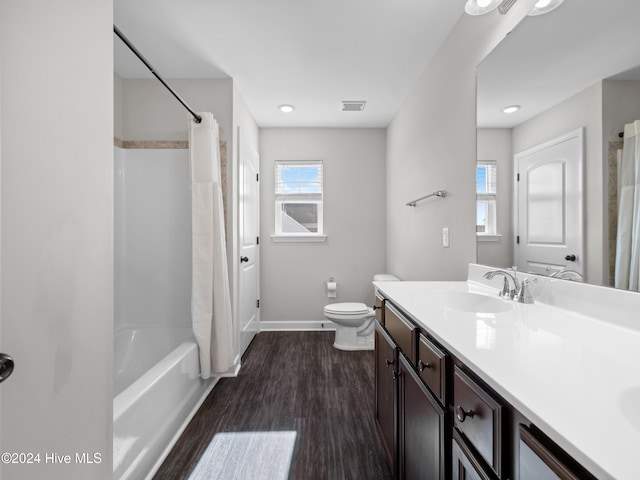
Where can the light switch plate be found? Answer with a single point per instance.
(445, 237)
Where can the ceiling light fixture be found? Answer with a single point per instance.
(480, 7)
(287, 108)
(544, 6)
(511, 109)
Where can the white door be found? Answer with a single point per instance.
(549, 198)
(248, 238)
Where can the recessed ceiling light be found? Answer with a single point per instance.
(544, 6)
(287, 108)
(511, 108)
(480, 7)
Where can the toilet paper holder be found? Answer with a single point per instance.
(331, 287)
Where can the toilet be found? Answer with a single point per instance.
(355, 321)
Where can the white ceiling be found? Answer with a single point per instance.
(312, 54)
(549, 58)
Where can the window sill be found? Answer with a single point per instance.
(488, 238)
(298, 238)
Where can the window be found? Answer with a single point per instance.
(298, 194)
(486, 197)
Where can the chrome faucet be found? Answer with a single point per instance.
(506, 292)
(524, 295)
(520, 293)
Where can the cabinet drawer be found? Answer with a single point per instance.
(432, 366)
(479, 417)
(402, 331)
(378, 306)
(538, 461)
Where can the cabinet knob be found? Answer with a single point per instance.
(389, 362)
(462, 414)
(376, 307)
(422, 365)
(6, 366)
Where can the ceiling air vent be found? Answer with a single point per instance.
(353, 106)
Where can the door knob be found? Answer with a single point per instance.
(244, 259)
(6, 366)
(570, 258)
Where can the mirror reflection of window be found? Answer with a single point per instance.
(486, 199)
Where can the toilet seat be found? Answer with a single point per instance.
(348, 308)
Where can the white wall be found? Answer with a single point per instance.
(150, 112)
(431, 145)
(293, 274)
(118, 106)
(495, 144)
(57, 248)
(620, 105)
(582, 110)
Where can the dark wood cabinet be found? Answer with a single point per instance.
(480, 418)
(541, 460)
(422, 429)
(386, 358)
(401, 330)
(439, 420)
(433, 367)
(465, 465)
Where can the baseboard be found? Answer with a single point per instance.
(297, 326)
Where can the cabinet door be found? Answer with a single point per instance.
(537, 462)
(422, 429)
(386, 365)
(465, 465)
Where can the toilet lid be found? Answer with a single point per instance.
(347, 308)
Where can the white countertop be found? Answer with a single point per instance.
(576, 377)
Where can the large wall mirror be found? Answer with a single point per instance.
(575, 74)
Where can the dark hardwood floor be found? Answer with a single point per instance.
(294, 381)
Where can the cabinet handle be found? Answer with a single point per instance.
(461, 414)
(376, 307)
(389, 362)
(422, 366)
(6, 366)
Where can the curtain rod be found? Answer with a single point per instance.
(126, 41)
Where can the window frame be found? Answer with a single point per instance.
(490, 199)
(314, 198)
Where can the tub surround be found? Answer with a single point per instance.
(568, 362)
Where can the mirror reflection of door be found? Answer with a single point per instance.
(549, 198)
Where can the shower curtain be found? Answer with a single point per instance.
(627, 272)
(210, 294)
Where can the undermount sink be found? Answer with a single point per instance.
(628, 402)
(470, 302)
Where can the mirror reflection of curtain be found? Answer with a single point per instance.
(627, 274)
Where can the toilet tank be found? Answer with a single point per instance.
(385, 277)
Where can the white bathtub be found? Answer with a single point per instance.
(150, 412)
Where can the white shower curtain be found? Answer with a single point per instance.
(627, 273)
(210, 294)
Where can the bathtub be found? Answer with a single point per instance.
(155, 396)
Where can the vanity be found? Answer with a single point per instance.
(470, 385)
